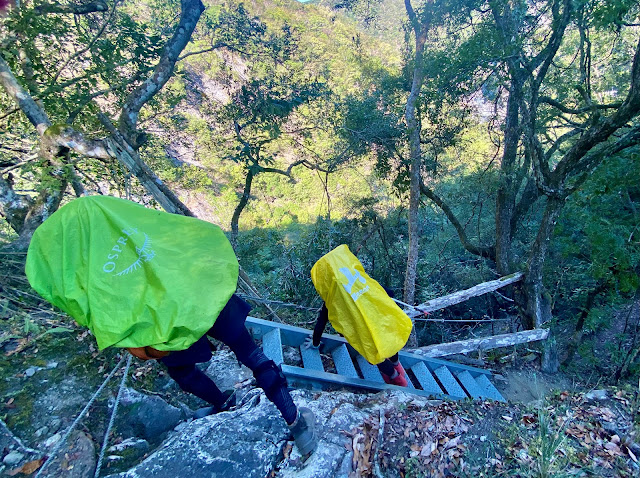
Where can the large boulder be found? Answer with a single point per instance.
(145, 416)
(253, 440)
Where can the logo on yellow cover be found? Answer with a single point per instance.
(352, 278)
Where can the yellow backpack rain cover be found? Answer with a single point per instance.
(359, 308)
(135, 276)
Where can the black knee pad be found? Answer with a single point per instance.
(270, 377)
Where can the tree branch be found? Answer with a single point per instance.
(91, 7)
(89, 45)
(573, 111)
(482, 251)
(190, 14)
(23, 99)
(596, 134)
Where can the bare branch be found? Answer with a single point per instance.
(89, 45)
(83, 9)
(599, 133)
(573, 111)
(190, 14)
(23, 99)
(482, 251)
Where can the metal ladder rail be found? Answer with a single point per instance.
(437, 378)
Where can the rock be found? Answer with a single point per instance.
(62, 399)
(31, 371)
(225, 370)
(52, 440)
(13, 458)
(76, 459)
(250, 441)
(145, 416)
(292, 355)
(597, 395)
(55, 424)
(245, 443)
(52, 364)
(135, 443)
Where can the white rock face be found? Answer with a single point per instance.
(251, 440)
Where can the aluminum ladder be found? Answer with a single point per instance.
(426, 376)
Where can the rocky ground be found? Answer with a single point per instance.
(47, 379)
(50, 370)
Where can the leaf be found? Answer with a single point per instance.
(452, 443)
(632, 455)
(22, 344)
(58, 330)
(505, 417)
(27, 468)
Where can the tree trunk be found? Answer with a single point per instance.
(413, 130)
(240, 207)
(506, 194)
(537, 305)
(190, 14)
(576, 338)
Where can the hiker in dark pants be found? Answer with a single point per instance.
(156, 284)
(229, 328)
(362, 311)
(391, 369)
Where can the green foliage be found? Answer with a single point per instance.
(544, 450)
(596, 238)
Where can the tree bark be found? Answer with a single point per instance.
(507, 189)
(191, 11)
(90, 7)
(462, 295)
(413, 129)
(538, 305)
(246, 193)
(486, 343)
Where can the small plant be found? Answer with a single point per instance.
(547, 461)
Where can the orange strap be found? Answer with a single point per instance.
(147, 353)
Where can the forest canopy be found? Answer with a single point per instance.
(446, 142)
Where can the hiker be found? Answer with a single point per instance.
(362, 311)
(158, 285)
(229, 329)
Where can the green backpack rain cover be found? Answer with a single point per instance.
(135, 276)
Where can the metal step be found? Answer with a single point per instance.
(311, 359)
(449, 382)
(369, 372)
(343, 362)
(490, 391)
(435, 378)
(471, 386)
(272, 346)
(426, 380)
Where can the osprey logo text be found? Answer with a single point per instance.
(119, 250)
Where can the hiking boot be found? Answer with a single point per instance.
(229, 401)
(401, 380)
(304, 431)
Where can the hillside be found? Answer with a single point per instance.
(544, 429)
(476, 142)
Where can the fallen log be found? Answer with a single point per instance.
(462, 295)
(487, 343)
